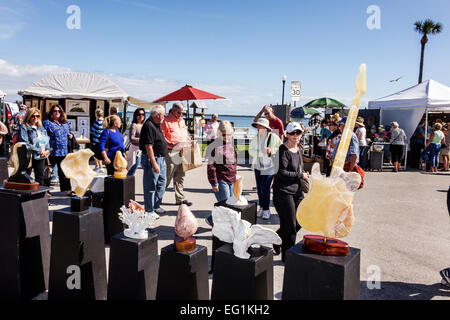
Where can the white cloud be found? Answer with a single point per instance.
(9, 31)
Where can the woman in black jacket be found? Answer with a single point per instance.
(287, 191)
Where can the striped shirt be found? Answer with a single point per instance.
(96, 131)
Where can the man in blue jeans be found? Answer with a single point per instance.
(154, 149)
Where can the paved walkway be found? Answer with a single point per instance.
(402, 228)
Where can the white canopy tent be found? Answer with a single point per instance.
(408, 106)
(2, 94)
(75, 85)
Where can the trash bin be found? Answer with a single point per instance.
(376, 160)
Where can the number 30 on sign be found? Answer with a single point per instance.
(296, 87)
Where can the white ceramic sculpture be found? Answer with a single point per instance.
(237, 199)
(229, 227)
(137, 220)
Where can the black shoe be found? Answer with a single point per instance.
(445, 274)
(276, 249)
(186, 202)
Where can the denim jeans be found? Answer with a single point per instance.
(154, 183)
(225, 191)
(263, 183)
(434, 149)
(133, 169)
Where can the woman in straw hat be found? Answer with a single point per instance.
(263, 146)
(398, 141)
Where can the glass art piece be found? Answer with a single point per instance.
(229, 227)
(186, 226)
(120, 164)
(137, 220)
(237, 199)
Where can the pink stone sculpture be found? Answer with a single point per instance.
(186, 224)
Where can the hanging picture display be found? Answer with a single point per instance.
(77, 107)
(101, 105)
(28, 103)
(72, 124)
(49, 104)
(35, 103)
(83, 128)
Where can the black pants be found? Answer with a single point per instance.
(38, 166)
(396, 152)
(286, 206)
(64, 183)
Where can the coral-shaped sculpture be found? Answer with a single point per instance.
(137, 220)
(76, 167)
(120, 164)
(186, 226)
(237, 199)
(229, 227)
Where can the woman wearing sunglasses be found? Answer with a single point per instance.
(287, 191)
(134, 153)
(35, 136)
(59, 133)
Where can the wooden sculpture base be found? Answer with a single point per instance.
(182, 245)
(328, 247)
(21, 186)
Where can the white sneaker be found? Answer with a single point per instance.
(160, 211)
(266, 214)
(155, 215)
(101, 170)
(259, 213)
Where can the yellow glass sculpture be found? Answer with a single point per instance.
(120, 164)
(327, 209)
(76, 167)
(237, 199)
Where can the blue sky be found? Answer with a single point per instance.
(237, 49)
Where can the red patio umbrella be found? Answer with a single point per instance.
(188, 93)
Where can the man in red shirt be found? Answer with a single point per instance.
(274, 122)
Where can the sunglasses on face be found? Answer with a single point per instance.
(35, 116)
(141, 114)
(56, 111)
(296, 132)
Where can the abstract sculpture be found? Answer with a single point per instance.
(21, 160)
(229, 227)
(186, 226)
(76, 167)
(137, 220)
(327, 209)
(237, 199)
(120, 164)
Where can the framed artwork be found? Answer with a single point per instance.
(101, 105)
(77, 107)
(28, 103)
(84, 122)
(72, 124)
(49, 104)
(35, 103)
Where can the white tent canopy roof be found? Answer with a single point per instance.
(75, 85)
(408, 106)
(430, 94)
(2, 94)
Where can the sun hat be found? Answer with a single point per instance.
(360, 121)
(293, 126)
(262, 122)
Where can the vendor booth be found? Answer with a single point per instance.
(80, 94)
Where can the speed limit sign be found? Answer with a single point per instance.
(296, 88)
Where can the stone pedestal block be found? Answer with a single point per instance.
(183, 275)
(133, 268)
(24, 243)
(310, 276)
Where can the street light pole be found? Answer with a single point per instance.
(284, 83)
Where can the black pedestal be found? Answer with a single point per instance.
(24, 243)
(78, 256)
(248, 213)
(310, 276)
(4, 174)
(133, 268)
(118, 192)
(97, 199)
(243, 279)
(183, 275)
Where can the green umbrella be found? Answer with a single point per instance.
(325, 103)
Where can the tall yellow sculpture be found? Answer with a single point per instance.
(327, 209)
(120, 164)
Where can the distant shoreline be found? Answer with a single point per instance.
(231, 115)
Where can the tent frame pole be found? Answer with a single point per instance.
(426, 125)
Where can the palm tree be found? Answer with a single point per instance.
(426, 27)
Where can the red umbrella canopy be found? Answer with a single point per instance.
(188, 93)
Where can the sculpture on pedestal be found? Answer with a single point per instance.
(137, 220)
(229, 227)
(21, 160)
(327, 209)
(186, 226)
(237, 199)
(76, 167)
(120, 164)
